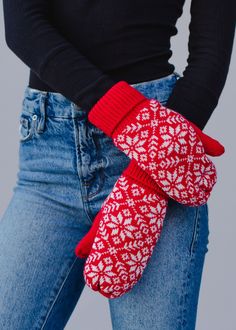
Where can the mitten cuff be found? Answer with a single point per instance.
(135, 172)
(114, 105)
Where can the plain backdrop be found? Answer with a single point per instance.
(216, 309)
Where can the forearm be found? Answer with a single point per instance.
(31, 35)
(212, 29)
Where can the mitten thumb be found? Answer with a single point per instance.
(212, 147)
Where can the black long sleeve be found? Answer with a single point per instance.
(81, 48)
(211, 36)
(31, 35)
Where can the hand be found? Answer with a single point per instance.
(211, 146)
(124, 226)
(162, 142)
(124, 233)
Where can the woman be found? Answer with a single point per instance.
(67, 166)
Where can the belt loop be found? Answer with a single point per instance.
(42, 101)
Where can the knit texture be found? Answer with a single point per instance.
(212, 147)
(162, 142)
(106, 269)
(127, 229)
(134, 173)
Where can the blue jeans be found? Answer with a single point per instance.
(67, 167)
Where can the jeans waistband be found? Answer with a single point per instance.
(58, 105)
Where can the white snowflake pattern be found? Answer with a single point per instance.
(137, 263)
(174, 139)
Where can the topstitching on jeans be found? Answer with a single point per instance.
(195, 230)
(53, 301)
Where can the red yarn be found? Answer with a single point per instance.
(168, 159)
(162, 142)
(127, 229)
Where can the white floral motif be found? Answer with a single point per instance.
(133, 147)
(168, 149)
(173, 139)
(171, 144)
(128, 235)
(137, 263)
(121, 226)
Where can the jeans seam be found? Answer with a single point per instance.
(89, 197)
(101, 184)
(187, 279)
(80, 175)
(195, 231)
(100, 171)
(57, 295)
(184, 296)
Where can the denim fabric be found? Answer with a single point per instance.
(67, 167)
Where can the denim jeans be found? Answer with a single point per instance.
(67, 167)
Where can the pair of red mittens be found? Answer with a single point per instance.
(168, 160)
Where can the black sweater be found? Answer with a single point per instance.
(82, 48)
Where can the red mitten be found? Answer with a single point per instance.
(162, 142)
(127, 229)
(103, 273)
(211, 146)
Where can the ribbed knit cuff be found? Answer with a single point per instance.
(114, 105)
(135, 172)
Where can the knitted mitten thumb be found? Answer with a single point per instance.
(211, 146)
